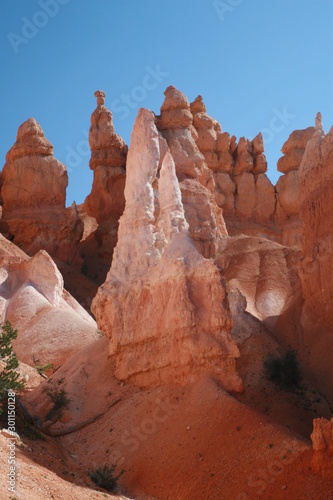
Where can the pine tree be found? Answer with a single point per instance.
(9, 376)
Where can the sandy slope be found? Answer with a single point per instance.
(195, 442)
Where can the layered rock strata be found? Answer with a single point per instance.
(163, 305)
(33, 189)
(196, 180)
(316, 211)
(288, 187)
(106, 201)
(251, 204)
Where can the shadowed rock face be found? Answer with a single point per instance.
(34, 195)
(163, 305)
(316, 210)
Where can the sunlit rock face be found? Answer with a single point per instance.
(241, 186)
(251, 204)
(288, 187)
(51, 325)
(108, 161)
(163, 305)
(106, 202)
(34, 195)
(205, 218)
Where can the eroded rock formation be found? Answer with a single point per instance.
(242, 188)
(34, 194)
(316, 210)
(196, 181)
(322, 435)
(52, 326)
(288, 187)
(163, 305)
(108, 161)
(106, 201)
(251, 204)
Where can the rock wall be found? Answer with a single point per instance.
(288, 187)
(34, 195)
(163, 305)
(251, 204)
(316, 210)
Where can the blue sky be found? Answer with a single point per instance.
(259, 65)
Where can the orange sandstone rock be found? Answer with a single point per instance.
(204, 216)
(322, 435)
(108, 161)
(293, 150)
(316, 210)
(163, 305)
(34, 195)
(106, 201)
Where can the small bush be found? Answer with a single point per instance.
(283, 370)
(9, 376)
(60, 400)
(104, 477)
(41, 369)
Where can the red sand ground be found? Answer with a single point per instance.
(195, 442)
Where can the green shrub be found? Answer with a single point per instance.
(41, 369)
(60, 400)
(104, 477)
(9, 376)
(283, 370)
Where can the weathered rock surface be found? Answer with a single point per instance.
(34, 194)
(108, 161)
(242, 188)
(163, 305)
(51, 325)
(293, 150)
(288, 195)
(322, 435)
(1, 200)
(196, 180)
(266, 274)
(175, 111)
(316, 210)
(106, 201)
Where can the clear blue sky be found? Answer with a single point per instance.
(251, 60)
